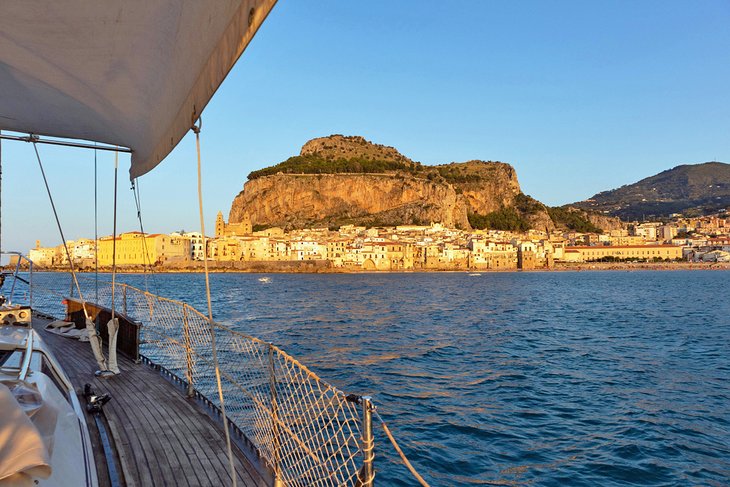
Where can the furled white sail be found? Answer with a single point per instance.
(134, 73)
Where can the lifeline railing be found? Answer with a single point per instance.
(306, 430)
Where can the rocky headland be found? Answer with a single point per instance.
(339, 180)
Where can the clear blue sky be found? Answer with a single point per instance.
(578, 96)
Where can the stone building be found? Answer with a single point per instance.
(44, 256)
(627, 252)
(136, 248)
(526, 255)
(489, 254)
(223, 229)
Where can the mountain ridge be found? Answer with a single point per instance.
(694, 188)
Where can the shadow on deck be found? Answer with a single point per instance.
(161, 436)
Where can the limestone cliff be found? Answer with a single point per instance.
(338, 180)
(307, 200)
(605, 222)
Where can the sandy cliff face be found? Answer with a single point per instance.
(304, 200)
(606, 223)
(405, 192)
(496, 184)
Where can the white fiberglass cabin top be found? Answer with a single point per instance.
(44, 440)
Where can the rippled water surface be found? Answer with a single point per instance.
(586, 378)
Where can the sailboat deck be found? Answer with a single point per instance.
(161, 436)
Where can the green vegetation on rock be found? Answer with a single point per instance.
(574, 220)
(527, 205)
(315, 164)
(505, 218)
(454, 175)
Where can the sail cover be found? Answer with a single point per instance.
(134, 73)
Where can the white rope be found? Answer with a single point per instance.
(1, 193)
(96, 231)
(400, 452)
(113, 324)
(196, 129)
(114, 233)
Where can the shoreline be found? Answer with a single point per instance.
(260, 268)
(640, 266)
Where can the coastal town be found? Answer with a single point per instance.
(400, 248)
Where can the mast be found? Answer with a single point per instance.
(1, 193)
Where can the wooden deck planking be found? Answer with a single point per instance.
(162, 437)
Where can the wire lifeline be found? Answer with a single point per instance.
(60, 230)
(332, 462)
(407, 463)
(196, 129)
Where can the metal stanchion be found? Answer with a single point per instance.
(188, 350)
(278, 482)
(367, 474)
(30, 284)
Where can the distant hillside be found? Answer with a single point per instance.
(339, 180)
(690, 188)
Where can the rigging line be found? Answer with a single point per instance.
(96, 231)
(146, 261)
(145, 257)
(113, 324)
(196, 129)
(60, 230)
(1, 192)
(36, 139)
(114, 233)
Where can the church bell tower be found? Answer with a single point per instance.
(220, 225)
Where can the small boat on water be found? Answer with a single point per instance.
(265, 279)
(475, 274)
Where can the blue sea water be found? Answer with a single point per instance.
(565, 378)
